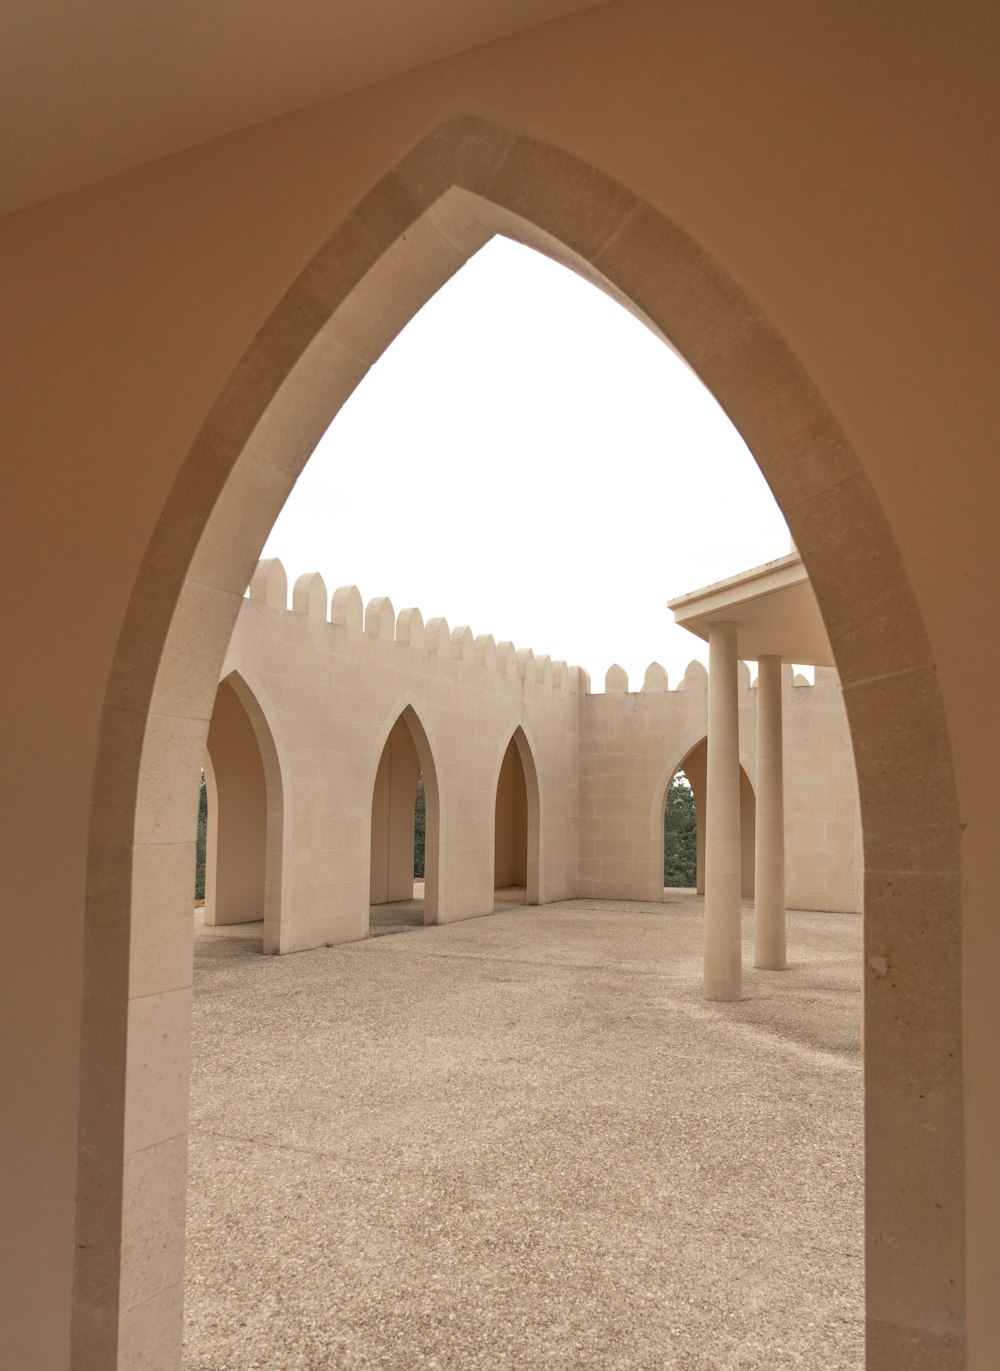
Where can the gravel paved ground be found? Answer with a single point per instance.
(526, 1142)
(400, 915)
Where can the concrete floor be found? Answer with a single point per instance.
(526, 1142)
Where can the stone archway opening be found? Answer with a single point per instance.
(395, 900)
(680, 835)
(694, 768)
(402, 862)
(242, 787)
(463, 183)
(515, 828)
(510, 832)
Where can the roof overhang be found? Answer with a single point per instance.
(773, 607)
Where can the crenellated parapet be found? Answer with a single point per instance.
(695, 679)
(345, 609)
(434, 638)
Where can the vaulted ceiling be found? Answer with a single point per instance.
(92, 87)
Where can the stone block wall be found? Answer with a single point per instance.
(331, 684)
(631, 744)
(329, 678)
(823, 852)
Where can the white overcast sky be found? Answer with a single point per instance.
(529, 460)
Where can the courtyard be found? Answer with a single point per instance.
(526, 1141)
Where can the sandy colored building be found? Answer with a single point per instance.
(327, 713)
(210, 230)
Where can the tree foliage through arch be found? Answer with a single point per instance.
(680, 835)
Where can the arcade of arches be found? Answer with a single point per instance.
(536, 789)
(210, 309)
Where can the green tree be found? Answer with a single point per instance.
(680, 835)
(199, 868)
(419, 817)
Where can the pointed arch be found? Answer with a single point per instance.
(693, 757)
(517, 744)
(463, 182)
(247, 688)
(405, 712)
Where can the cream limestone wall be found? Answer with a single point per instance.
(822, 815)
(345, 696)
(798, 196)
(632, 744)
(334, 681)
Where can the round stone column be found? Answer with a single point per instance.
(769, 854)
(723, 933)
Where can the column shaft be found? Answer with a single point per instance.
(723, 933)
(769, 880)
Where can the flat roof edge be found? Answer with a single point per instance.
(790, 562)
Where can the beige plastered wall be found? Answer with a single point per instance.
(632, 744)
(835, 162)
(331, 678)
(354, 692)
